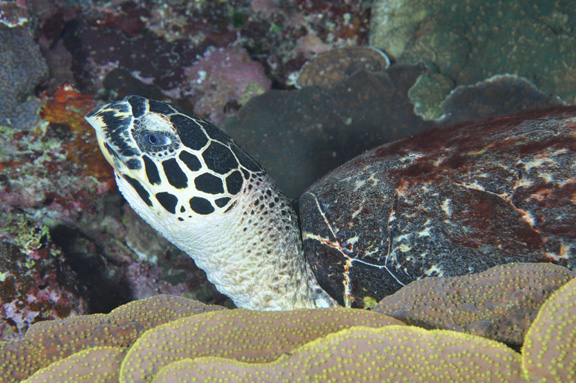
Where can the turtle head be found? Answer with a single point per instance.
(200, 190)
(171, 165)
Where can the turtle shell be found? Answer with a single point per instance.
(447, 202)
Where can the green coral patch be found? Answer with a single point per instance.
(248, 336)
(359, 354)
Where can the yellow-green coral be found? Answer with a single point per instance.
(94, 365)
(303, 345)
(50, 341)
(549, 353)
(238, 334)
(499, 303)
(360, 354)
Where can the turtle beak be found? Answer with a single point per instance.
(99, 127)
(112, 123)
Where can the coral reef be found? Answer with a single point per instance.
(48, 164)
(496, 96)
(93, 365)
(66, 253)
(549, 353)
(499, 304)
(469, 41)
(165, 39)
(54, 176)
(243, 335)
(13, 14)
(35, 283)
(169, 339)
(329, 67)
(387, 354)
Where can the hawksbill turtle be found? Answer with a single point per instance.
(447, 202)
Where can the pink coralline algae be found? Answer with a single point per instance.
(35, 283)
(225, 76)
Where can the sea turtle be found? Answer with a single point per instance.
(448, 202)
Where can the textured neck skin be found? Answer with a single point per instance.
(253, 253)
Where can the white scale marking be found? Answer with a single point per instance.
(338, 247)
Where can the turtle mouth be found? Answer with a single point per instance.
(109, 153)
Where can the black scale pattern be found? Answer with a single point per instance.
(209, 183)
(219, 158)
(191, 161)
(174, 173)
(168, 201)
(151, 171)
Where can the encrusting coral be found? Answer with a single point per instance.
(238, 334)
(170, 339)
(94, 365)
(499, 303)
(359, 354)
(50, 341)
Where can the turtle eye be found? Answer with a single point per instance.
(155, 139)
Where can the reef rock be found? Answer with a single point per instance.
(22, 68)
(298, 136)
(468, 41)
(446, 202)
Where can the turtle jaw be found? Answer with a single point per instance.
(106, 150)
(113, 123)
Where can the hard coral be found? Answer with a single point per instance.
(549, 353)
(93, 365)
(55, 170)
(496, 96)
(469, 41)
(238, 334)
(68, 106)
(301, 345)
(499, 303)
(49, 342)
(327, 68)
(360, 354)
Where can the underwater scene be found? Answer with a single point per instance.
(287, 190)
